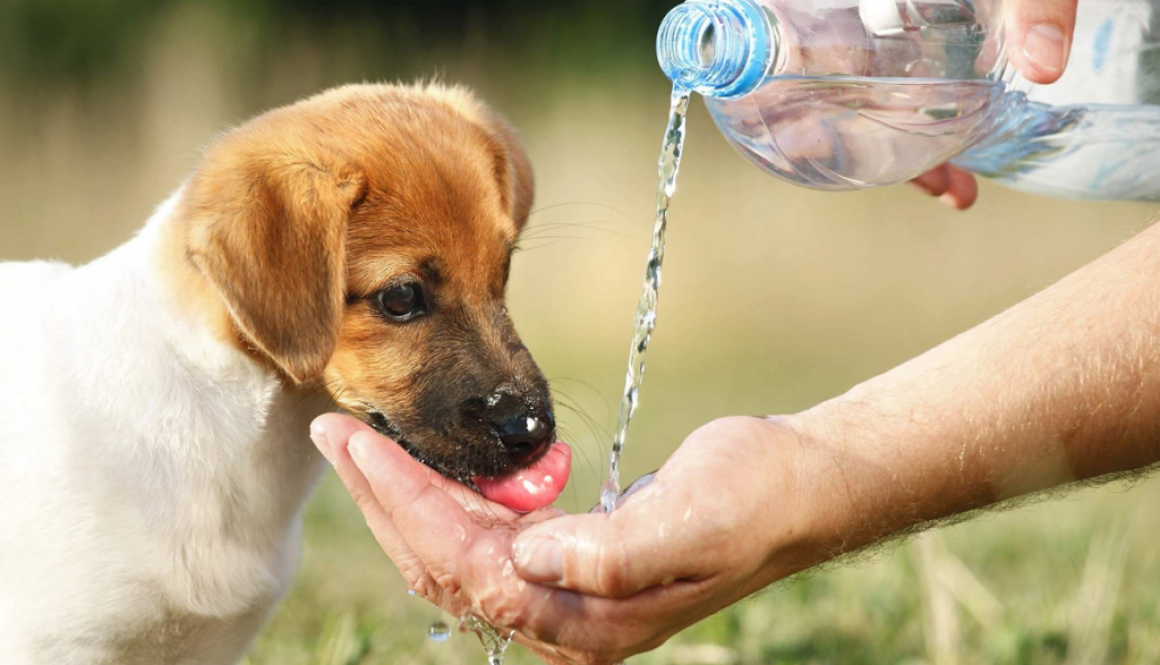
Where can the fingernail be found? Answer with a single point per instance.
(949, 201)
(1044, 46)
(318, 436)
(540, 559)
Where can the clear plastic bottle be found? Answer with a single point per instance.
(848, 94)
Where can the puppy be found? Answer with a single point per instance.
(155, 403)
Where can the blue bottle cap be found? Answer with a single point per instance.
(719, 48)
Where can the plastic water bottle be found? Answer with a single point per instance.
(848, 94)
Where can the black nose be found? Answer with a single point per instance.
(526, 436)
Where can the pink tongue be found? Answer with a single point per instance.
(534, 487)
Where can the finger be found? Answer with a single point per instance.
(610, 630)
(433, 524)
(935, 182)
(962, 190)
(333, 427)
(332, 433)
(613, 555)
(1040, 36)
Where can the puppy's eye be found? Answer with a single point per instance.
(402, 302)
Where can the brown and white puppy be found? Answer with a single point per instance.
(153, 458)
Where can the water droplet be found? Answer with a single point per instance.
(439, 632)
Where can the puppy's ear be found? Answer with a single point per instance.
(513, 171)
(268, 232)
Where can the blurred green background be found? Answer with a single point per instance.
(774, 298)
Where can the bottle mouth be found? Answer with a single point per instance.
(719, 48)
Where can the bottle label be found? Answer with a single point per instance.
(1104, 67)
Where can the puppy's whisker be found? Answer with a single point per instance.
(594, 225)
(599, 434)
(480, 507)
(536, 231)
(589, 386)
(540, 211)
(595, 427)
(523, 250)
(588, 462)
(544, 237)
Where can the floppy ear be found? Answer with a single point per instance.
(268, 232)
(514, 172)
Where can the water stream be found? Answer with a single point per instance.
(645, 320)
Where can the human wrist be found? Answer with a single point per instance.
(873, 471)
(829, 518)
(798, 499)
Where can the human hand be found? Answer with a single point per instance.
(675, 552)
(1039, 34)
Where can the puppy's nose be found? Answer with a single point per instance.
(526, 436)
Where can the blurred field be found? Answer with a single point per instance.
(774, 298)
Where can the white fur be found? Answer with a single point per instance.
(151, 477)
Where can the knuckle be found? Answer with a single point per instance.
(736, 426)
(420, 582)
(365, 500)
(448, 583)
(613, 567)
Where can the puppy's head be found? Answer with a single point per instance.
(361, 241)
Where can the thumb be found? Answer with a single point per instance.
(613, 555)
(1040, 37)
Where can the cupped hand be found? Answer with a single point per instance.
(1039, 34)
(712, 527)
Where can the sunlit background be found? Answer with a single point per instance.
(774, 298)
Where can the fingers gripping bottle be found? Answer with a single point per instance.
(849, 94)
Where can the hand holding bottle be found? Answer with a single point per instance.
(1038, 44)
(853, 94)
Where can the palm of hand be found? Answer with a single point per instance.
(695, 539)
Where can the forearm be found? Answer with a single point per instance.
(1063, 387)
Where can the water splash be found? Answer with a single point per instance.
(494, 644)
(645, 319)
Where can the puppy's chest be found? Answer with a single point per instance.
(207, 519)
(233, 543)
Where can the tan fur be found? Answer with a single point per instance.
(296, 219)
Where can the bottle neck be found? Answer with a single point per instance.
(718, 48)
